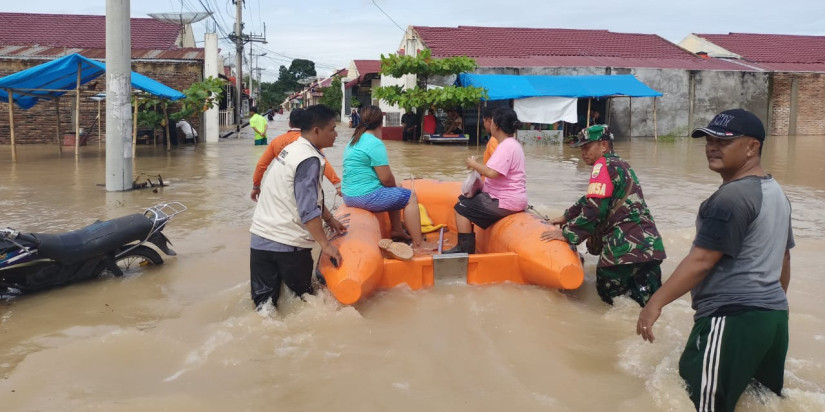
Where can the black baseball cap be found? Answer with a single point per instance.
(733, 123)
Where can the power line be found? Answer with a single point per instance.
(388, 16)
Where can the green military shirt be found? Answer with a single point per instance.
(629, 234)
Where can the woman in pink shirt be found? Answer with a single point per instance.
(505, 189)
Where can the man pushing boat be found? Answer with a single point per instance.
(287, 219)
(615, 221)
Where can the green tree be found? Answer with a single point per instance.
(333, 95)
(302, 69)
(424, 67)
(289, 81)
(200, 97)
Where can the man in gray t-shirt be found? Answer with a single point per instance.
(737, 271)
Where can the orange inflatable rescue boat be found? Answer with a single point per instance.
(508, 251)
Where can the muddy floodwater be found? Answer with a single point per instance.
(183, 336)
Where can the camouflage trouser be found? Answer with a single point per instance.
(641, 280)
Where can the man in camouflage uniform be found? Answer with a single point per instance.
(614, 214)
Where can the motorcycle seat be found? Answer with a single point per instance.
(94, 240)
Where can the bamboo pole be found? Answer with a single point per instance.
(59, 133)
(77, 113)
(655, 128)
(607, 109)
(589, 100)
(134, 128)
(11, 126)
(478, 127)
(630, 126)
(154, 129)
(168, 137)
(99, 136)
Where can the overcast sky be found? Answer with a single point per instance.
(332, 33)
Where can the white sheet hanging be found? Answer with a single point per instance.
(546, 110)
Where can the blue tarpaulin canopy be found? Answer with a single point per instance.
(506, 86)
(58, 77)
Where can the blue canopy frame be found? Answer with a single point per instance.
(507, 86)
(58, 77)
(53, 79)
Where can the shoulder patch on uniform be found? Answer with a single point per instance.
(600, 186)
(596, 169)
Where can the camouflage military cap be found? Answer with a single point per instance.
(592, 134)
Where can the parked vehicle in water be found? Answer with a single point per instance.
(31, 262)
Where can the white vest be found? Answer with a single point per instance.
(276, 215)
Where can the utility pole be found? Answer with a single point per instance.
(254, 89)
(240, 39)
(118, 96)
(238, 59)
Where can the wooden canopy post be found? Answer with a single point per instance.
(478, 127)
(59, 133)
(166, 119)
(655, 128)
(11, 125)
(99, 136)
(630, 126)
(77, 113)
(134, 127)
(154, 128)
(589, 100)
(607, 115)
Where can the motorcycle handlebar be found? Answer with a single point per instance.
(12, 234)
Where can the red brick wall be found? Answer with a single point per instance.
(809, 106)
(39, 123)
(780, 105)
(810, 110)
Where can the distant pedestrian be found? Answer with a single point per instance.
(191, 135)
(259, 125)
(737, 272)
(409, 126)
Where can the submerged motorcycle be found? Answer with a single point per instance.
(31, 262)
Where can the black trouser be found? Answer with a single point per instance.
(267, 270)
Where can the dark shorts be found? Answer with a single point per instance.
(260, 142)
(640, 280)
(481, 209)
(384, 199)
(724, 354)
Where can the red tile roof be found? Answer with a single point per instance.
(772, 48)
(48, 53)
(778, 52)
(365, 67)
(84, 31)
(521, 47)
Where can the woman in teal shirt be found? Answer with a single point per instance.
(368, 182)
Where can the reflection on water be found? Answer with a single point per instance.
(183, 335)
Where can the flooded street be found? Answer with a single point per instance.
(184, 336)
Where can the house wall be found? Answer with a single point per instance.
(38, 124)
(796, 104)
